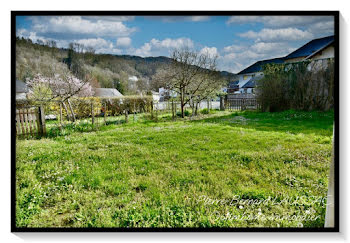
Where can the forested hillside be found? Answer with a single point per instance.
(103, 70)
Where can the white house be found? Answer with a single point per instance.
(133, 78)
(165, 94)
(317, 49)
(155, 96)
(254, 70)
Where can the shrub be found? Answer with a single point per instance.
(130, 103)
(300, 86)
(204, 111)
(186, 113)
(82, 105)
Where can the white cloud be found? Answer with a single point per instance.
(100, 45)
(280, 21)
(238, 57)
(109, 50)
(210, 51)
(320, 29)
(179, 18)
(172, 43)
(319, 26)
(243, 19)
(199, 18)
(110, 18)
(28, 34)
(163, 47)
(266, 47)
(278, 35)
(234, 48)
(97, 43)
(123, 42)
(66, 25)
(276, 39)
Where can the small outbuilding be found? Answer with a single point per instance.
(21, 90)
(107, 92)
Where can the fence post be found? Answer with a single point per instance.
(60, 116)
(151, 109)
(134, 111)
(172, 109)
(92, 113)
(222, 107)
(126, 116)
(105, 113)
(42, 120)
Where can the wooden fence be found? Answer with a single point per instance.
(242, 104)
(30, 121)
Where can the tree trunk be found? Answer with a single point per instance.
(222, 107)
(60, 116)
(182, 103)
(65, 107)
(71, 109)
(182, 110)
(173, 109)
(192, 107)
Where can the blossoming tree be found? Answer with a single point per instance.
(59, 88)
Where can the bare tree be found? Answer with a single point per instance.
(188, 74)
(212, 82)
(90, 49)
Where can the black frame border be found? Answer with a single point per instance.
(14, 14)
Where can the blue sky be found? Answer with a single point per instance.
(238, 41)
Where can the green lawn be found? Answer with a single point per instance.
(244, 169)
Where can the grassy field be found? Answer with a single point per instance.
(242, 169)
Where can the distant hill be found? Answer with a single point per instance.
(106, 70)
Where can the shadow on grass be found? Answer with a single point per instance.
(313, 122)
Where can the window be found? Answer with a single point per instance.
(245, 77)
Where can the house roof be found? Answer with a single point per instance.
(21, 87)
(233, 84)
(311, 47)
(257, 67)
(252, 82)
(106, 92)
